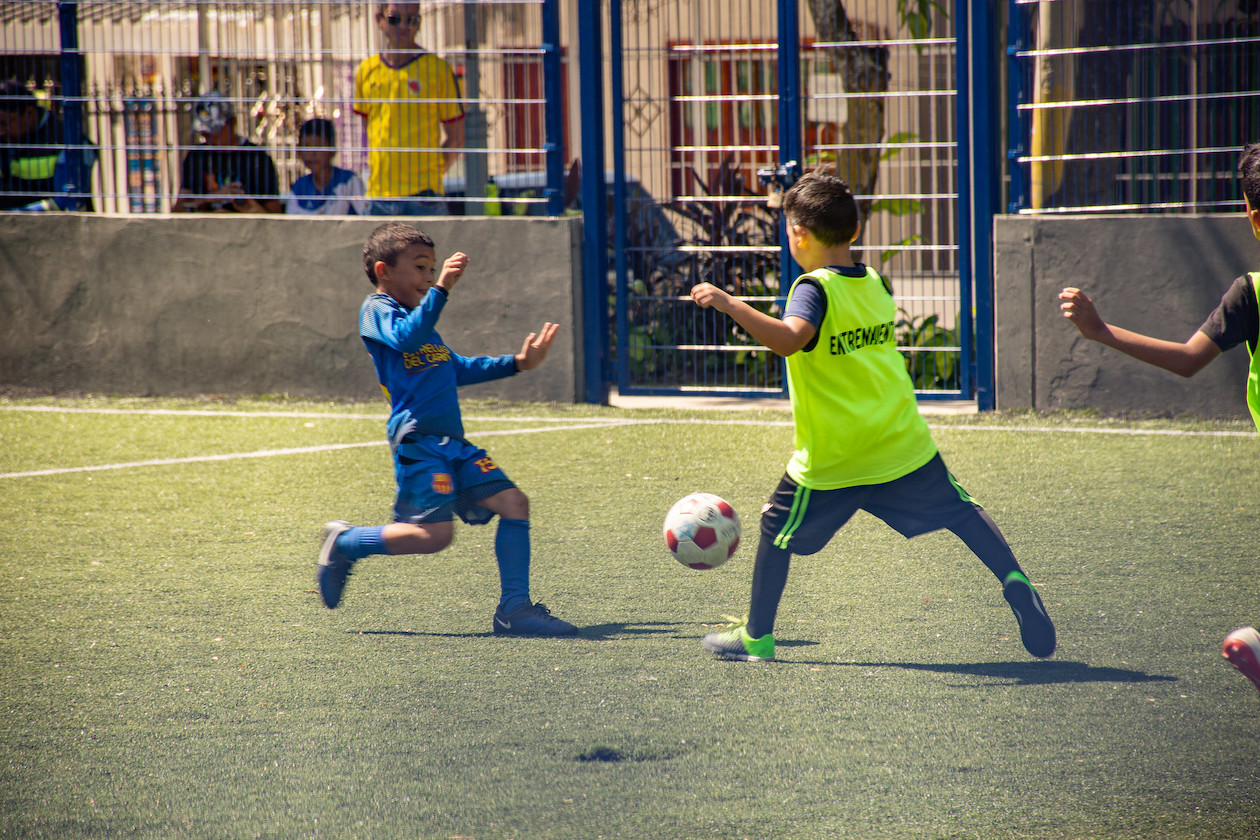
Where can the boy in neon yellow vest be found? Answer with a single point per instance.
(1236, 320)
(861, 443)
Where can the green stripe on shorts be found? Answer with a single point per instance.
(962, 494)
(800, 502)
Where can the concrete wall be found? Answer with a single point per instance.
(1159, 275)
(201, 304)
(196, 304)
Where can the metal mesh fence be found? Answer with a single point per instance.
(1134, 107)
(700, 118)
(451, 108)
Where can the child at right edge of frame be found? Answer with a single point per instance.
(1236, 320)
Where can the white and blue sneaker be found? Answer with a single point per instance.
(334, 567)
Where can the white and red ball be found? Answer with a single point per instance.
(702, 531)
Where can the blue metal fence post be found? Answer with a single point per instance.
(72, 99)
(791, 141)
(1018, 122)
(978, 184)
(554, 94)
(962, 103)
(594, 204)
(621, 224)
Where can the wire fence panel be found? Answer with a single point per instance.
(700, 119)
(454, 118)
(697, 120)
(1138, 107)
(881, 107)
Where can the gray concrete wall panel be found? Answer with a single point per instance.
(206, 304)
(1159, 275)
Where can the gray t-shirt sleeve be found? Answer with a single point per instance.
(808, 301)
(1236, 318)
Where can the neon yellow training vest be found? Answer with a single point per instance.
(1253, 373)
(857, 419)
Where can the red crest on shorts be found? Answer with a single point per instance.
(442, 483)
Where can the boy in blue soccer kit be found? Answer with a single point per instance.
(440, 474)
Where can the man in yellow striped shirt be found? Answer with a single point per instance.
(410, 102)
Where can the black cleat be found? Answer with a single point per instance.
(1035, 627)
(531, 620)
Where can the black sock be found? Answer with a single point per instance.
(981, 535)
(769, 577)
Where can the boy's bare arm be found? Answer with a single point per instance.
(784, 337)
(535, 348)
(1183, 359)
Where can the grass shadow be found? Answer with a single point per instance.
(1019, 673)
(592, 633)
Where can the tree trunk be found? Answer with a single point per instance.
(865, 71)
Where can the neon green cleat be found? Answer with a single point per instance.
(735, 643)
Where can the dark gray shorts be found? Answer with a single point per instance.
(802, 520)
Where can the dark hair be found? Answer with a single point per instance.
(388, 241)
(16, 97)
(319, 127)
(823, 203)
(1249, 166)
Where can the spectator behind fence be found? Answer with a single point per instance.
(34, 173)
(326, 190)
(228, 174)
(409, 100)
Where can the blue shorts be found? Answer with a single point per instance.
(441, 477)
(802, 520)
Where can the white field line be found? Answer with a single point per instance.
(604, 421)
(572, 424)
(162, 462)
(205, 412)
(270, 453)
(1092, 430)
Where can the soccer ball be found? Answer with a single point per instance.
(702, 531)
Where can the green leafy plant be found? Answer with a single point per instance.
(729, 240)
(935, 365)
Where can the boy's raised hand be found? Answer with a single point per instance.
(535, 348)
(452, 270)
(708, 295)
(1079, 309)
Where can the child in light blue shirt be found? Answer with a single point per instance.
(326, 190)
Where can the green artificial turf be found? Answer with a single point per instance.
(169, 672)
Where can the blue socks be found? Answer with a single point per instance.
(511, 550)
(357, 543)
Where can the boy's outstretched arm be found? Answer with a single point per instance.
(1184, 359)
(535, 348)
(784, 337)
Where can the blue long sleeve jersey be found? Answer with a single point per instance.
(416, 369)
